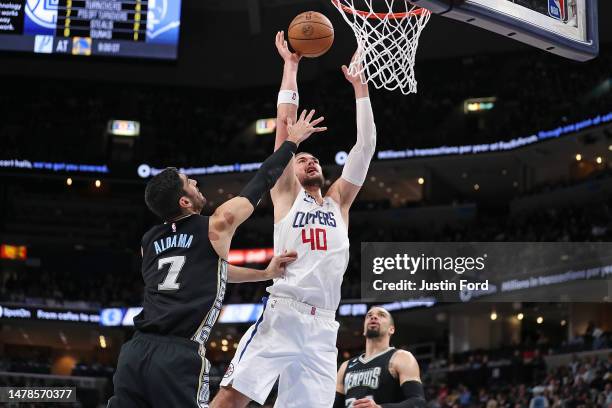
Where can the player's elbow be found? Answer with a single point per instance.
(367, 148)
(371, 138)
(370, 146)
(366, 140)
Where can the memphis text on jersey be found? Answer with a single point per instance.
(173, 241)
(363, 378)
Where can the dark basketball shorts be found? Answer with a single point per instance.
(161, 371)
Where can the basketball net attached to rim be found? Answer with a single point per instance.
(387, 41)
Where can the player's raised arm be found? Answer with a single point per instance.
(228, 216)
(346, 188)
(288, 98)
(287, 186)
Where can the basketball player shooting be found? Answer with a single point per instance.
(382, 377)
(295, 338)
(185, 272)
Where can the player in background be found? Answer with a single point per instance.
(295, 338)
(185, 272)
(382, 377)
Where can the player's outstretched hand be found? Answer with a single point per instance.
(357, 79)
(365, 403)
(283, 49)
(304, 127)
(278, 264)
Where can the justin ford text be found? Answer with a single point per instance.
(412, 264)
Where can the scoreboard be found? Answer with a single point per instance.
(123, 28)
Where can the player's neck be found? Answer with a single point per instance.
(375, 346)
(315, 192)
(180, 217)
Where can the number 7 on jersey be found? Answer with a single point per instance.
(176, 264)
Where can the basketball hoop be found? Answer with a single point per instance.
(386, 41)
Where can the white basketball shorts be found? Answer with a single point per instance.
(292, 340)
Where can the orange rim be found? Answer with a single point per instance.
(416, 12)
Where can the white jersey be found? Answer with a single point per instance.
(320, 237)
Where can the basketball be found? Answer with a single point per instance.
(311, 34)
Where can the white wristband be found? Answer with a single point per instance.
(288, 96)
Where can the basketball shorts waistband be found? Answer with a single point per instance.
(303, 308)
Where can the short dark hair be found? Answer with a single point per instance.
(389, 313)
(300, 153)
(163, 193)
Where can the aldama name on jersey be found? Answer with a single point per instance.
(174, 241)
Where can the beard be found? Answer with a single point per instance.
(198, 202)
(372, 333)
(314, 181)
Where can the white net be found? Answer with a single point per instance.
(387, 40)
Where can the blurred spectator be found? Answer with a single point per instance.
(538, 400)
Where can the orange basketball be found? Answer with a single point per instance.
(311, 34)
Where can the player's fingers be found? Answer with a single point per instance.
(286, 262)
(303, 115)
(320, 129)
(291, 253)
(287, 258)
(279, 40)
(317, 121)
(310, 115)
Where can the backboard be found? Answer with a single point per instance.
(564, 27)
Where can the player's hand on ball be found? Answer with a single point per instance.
(365, 403)
(304, 127)
(283, 49)
(278, 264)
